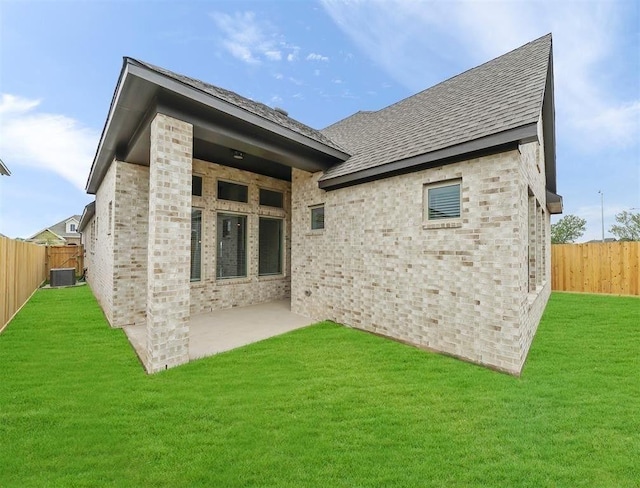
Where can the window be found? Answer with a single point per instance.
(196, 185)
(233, 192)
(231, 246)
(93, 236)
(271, 198)
(443, 201)
(72, 227)
(536, 248)
(196, 244)
(110, 217)
(270, 247)
(317, 217)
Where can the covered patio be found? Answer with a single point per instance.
(223, 330)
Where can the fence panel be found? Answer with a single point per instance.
(65, 257)
(22, 270)
(609, 267)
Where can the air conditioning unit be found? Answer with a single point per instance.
(62, 277)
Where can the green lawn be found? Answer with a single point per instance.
(322, 406)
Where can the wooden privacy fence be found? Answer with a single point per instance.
(22, 270)
(609, 267)
(65, 257)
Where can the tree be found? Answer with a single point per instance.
(629, 228)
(567, 229)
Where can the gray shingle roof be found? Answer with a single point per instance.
(60, 228)
(502, 94)
(251, 106)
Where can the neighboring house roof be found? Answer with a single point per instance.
(46, 236)
(3, 169)
(60, 229)
(503, 96)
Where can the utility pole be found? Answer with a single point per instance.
(602, 211)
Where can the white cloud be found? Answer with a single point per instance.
(298, 96)
(416, 42)
(317, 57)
(295, 81)
(52, 142)
(292, 57)
(273, 55)
(249, 39)
(278, 76)
(337, 81)
(276, 99)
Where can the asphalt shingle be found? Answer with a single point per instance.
(502, 94)
(256, 108)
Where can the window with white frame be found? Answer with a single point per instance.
(231, 241)
(442, 200)
(196, 244)
(270, 246)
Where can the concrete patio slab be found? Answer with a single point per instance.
(223, 330)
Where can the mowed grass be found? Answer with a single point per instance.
(322, 406)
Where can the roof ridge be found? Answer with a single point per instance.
(468, 70)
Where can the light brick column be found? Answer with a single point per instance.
(169, 250)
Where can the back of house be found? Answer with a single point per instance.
(426, 221)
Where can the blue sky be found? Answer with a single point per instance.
(321, 61)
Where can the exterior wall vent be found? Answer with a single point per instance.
(62, 277)
(281, 111)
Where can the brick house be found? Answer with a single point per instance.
(426, 221)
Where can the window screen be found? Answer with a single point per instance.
(270, 198)
(196, 244)
(317, 217)
(270, 246)
(231, 233)
(232, 191)
(444, 202)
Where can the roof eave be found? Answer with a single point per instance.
(117, 113)
(554, 203)
(88, 212)
(3, 169)
(447, 155)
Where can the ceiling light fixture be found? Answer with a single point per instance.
(238, 155)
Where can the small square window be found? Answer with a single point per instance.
(442, 201)
(233, 192)
(196, 185)
(317, 217)
(271, 198)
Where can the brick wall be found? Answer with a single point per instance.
(99, 246)
(210, 293)
(169, 243)
(378, 266)
(130, 237)
(535, 243)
